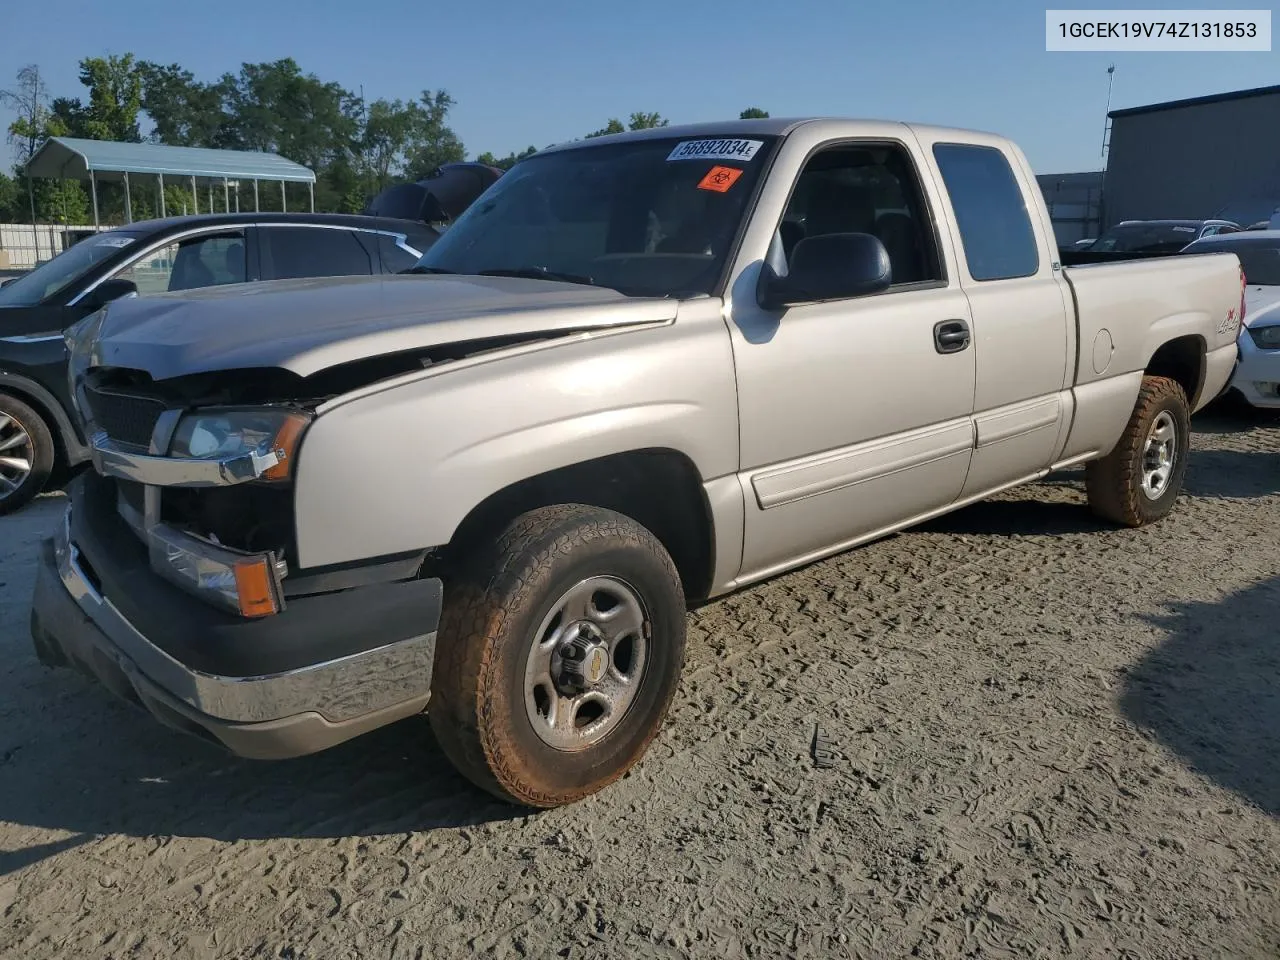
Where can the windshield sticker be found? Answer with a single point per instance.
(1184, 229)
(114, 241)
(715, 150)
(720, 179)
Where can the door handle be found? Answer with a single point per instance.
(951, 336)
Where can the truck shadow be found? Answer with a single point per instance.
(1211, 691)
(1016, 518)
(1233, 474)
(1052, 506)
(94, 766)
(1230, 415)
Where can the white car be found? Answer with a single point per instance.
(1257, 375)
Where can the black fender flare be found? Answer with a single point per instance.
(77, 451)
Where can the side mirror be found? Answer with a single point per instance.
(112, 289)
(6, 280)
(830, 267)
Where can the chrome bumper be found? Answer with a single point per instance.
(338, 690)
(114, 460)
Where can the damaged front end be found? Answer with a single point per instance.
(203, 467)
(203, 477)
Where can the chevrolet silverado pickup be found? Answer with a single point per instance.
(641, 371)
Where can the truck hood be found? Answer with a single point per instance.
(306, 326)
(1261, 305)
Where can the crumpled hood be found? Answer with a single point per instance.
(306, 326)
(1261, 305)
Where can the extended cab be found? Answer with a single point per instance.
(640, 371)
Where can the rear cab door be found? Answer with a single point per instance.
(1023, 317)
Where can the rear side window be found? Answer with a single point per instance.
(294, 252)
(995, 228)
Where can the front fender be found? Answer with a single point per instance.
(399, 468)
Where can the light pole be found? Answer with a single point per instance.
(1106, 117)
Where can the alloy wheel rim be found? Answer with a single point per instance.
(17, 455)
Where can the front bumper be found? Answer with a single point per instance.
(328, 668)
(1257, 376)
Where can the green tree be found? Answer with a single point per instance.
(646, 121)
(753, 113)
(434, 143)
(507, 162)
(275, 107)
(408, 138)
(183, 111)
(115, 97)
(638, 121)
(70, 116)
(61, 201)
(390, 132)
(342, 187)
(35, 120)
(10, 202)
(55, 201)
(613, 126)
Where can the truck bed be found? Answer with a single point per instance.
(1184, 294)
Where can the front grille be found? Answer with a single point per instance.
(124, 417)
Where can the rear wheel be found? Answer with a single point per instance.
(26, 454)
(1138, 482)
(558, 655)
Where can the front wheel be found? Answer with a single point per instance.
(1138, 482)
(558, 655)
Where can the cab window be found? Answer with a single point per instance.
(864, 188)
(189, 264)
(995, 227)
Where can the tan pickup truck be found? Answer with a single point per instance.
(639, 372)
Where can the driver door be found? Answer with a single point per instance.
(854, 415)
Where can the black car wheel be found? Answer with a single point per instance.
(26, 454)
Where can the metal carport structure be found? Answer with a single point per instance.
(70, 158)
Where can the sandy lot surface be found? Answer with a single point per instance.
(1048, 738)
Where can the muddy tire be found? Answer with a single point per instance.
(559, 652)
(1138, 482)
(26, 454)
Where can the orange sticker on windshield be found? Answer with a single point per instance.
(720, 179)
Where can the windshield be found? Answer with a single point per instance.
(53, 276)
(1146, 238)
(645, 217)
(1260, 258)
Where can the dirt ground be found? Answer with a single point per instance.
(1048, 738)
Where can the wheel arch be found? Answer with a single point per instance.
(69, 449)
(658, 487)
(1181, 359)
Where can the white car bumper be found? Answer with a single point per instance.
(1257, 376)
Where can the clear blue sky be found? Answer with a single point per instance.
(536, 73)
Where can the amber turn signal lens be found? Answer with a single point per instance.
(255, 588)
(287, 440)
